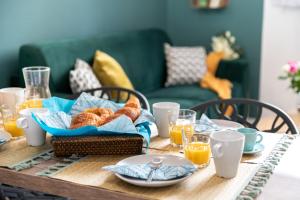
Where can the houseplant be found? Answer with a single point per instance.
(291, 72)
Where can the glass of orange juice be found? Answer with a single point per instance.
(183, 122)
(196, 149)
(9, 118)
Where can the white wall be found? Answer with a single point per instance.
(280, 43)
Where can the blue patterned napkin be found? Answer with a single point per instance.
(206, 125)
(142, 171)
(62, 110)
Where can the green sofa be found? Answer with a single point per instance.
(141, 54)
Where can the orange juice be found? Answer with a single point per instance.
(32, 103)
(176, 133)
(198, 153)
(11, 127)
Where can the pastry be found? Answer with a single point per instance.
(85, 119)
(133, 102)
(132, 113)
(100, 116)
(101, 112)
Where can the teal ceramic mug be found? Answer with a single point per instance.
(251, 138)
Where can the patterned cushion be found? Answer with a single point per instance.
(185, 65)
(83, 77)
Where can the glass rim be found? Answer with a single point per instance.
(35, 69)
(192, 112)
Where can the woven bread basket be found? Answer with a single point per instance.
(97, 145)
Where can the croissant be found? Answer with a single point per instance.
(101, 112)
(101, 116)
(133, 102)
(85, 119)
(132, 113)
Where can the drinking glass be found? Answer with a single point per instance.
(37, 86)
(37, 82)
(197, 148)
(31, 102)
(184, 121)
(9, 118)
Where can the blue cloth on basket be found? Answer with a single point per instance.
(141, 171)
(62, 110)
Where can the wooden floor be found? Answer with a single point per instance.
(267, 120)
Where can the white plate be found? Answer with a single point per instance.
(143, 159)
(4, 136)
(227, 124)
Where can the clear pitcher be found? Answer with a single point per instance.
(36, 82)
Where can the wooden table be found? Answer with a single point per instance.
(27, 179)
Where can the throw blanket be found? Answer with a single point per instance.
(221, 86)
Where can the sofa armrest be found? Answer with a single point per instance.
(234, 71)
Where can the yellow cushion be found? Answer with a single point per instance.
(109, 71)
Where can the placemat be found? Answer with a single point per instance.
(17, 155)
(203, 184)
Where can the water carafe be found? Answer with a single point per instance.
(36, 82)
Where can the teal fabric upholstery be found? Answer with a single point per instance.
(188, 95)
(140, 53)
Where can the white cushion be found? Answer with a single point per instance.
(185, 65)
(83, 77)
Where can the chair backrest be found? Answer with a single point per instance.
(250, 113)
(117, 94)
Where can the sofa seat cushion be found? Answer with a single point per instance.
(184, 103)
(188, 95)
(183, 92)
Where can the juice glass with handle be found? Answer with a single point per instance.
(185, 121)
(197, 148)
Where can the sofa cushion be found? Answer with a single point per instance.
(83, 77)
(109, 71)
(188, 95)
(185, 65)
(183, 91)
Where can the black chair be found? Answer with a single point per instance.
(249, 112)
(8, 192)
(115, 94)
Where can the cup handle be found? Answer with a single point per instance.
(22, 123)
(217, 150)
(260, 138)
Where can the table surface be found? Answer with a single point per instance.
(28, 179)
